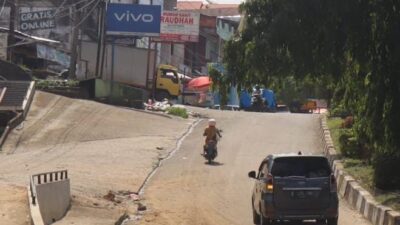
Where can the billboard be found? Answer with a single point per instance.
(133, 19)
(179, 27)
(37, 20)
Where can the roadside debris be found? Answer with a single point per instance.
(141, 207)
(157, 106)
(134, 197)
(121, 196)
(110, 196)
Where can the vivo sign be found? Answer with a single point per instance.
(128, 16)
(133, 20)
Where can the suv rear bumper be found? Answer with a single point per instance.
(271, 212)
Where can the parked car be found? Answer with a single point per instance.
(294, 188)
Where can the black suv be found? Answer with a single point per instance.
(294, 188)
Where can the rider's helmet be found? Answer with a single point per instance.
(212, 122)
(257, 87)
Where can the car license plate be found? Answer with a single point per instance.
(304, 194)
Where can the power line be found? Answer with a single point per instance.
(2, 7)
(59, 7)
(79, 9)
(88, 14)
(23, 42)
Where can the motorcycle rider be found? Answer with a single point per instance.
(257, 92)
(211, 133)
(257, 99)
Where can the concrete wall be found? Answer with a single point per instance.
(130, 63)
(53, 199)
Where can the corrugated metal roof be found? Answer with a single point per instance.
(25, 35)
(14, 95)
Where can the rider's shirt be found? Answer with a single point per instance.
(210, 133)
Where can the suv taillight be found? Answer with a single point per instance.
(333, 183)
(269, 186)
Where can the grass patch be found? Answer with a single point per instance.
(391, 199)
(361, 171)
(177, 111)
(334, 125)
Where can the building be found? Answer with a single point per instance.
(218, 22)
(46, 32)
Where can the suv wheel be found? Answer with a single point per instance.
(263, 220)
(256, 217)
(333, 221)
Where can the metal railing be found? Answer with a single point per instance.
(43, 178)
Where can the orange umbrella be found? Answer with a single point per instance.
(200, 82)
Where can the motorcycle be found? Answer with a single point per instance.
(211, 150)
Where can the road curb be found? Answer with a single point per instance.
(350, 190)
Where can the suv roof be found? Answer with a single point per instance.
(282, 155)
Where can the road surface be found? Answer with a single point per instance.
(186, 191)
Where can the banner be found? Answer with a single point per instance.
(37, 20)
(51, 54)
(133, 19)
(179, 27)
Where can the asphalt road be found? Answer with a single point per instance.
(186, 191)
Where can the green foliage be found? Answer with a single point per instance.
(49, 84)
(334, 124)
(339, 111)
(348, 144)
(222, 83)
(177, 111)
(351, 47)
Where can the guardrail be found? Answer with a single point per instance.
(43, 178)
(20, 116)
(11, 125)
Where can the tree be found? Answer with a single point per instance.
(353, 44)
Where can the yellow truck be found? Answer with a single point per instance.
(167, 83)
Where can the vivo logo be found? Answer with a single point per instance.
(128, 16)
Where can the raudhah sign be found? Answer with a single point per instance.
(37, 20)
(179, 26)
(133, 19)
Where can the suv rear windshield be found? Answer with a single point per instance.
(309, 167)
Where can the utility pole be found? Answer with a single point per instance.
(100, 38)
(104, 41)
(74, 41)
(148, 62)
(11, 38)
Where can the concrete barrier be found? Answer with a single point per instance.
(54, 200)
(360, 204)
(344, 187)
(50, 195)
(36, 217)
(392, 218)
(378, 214)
